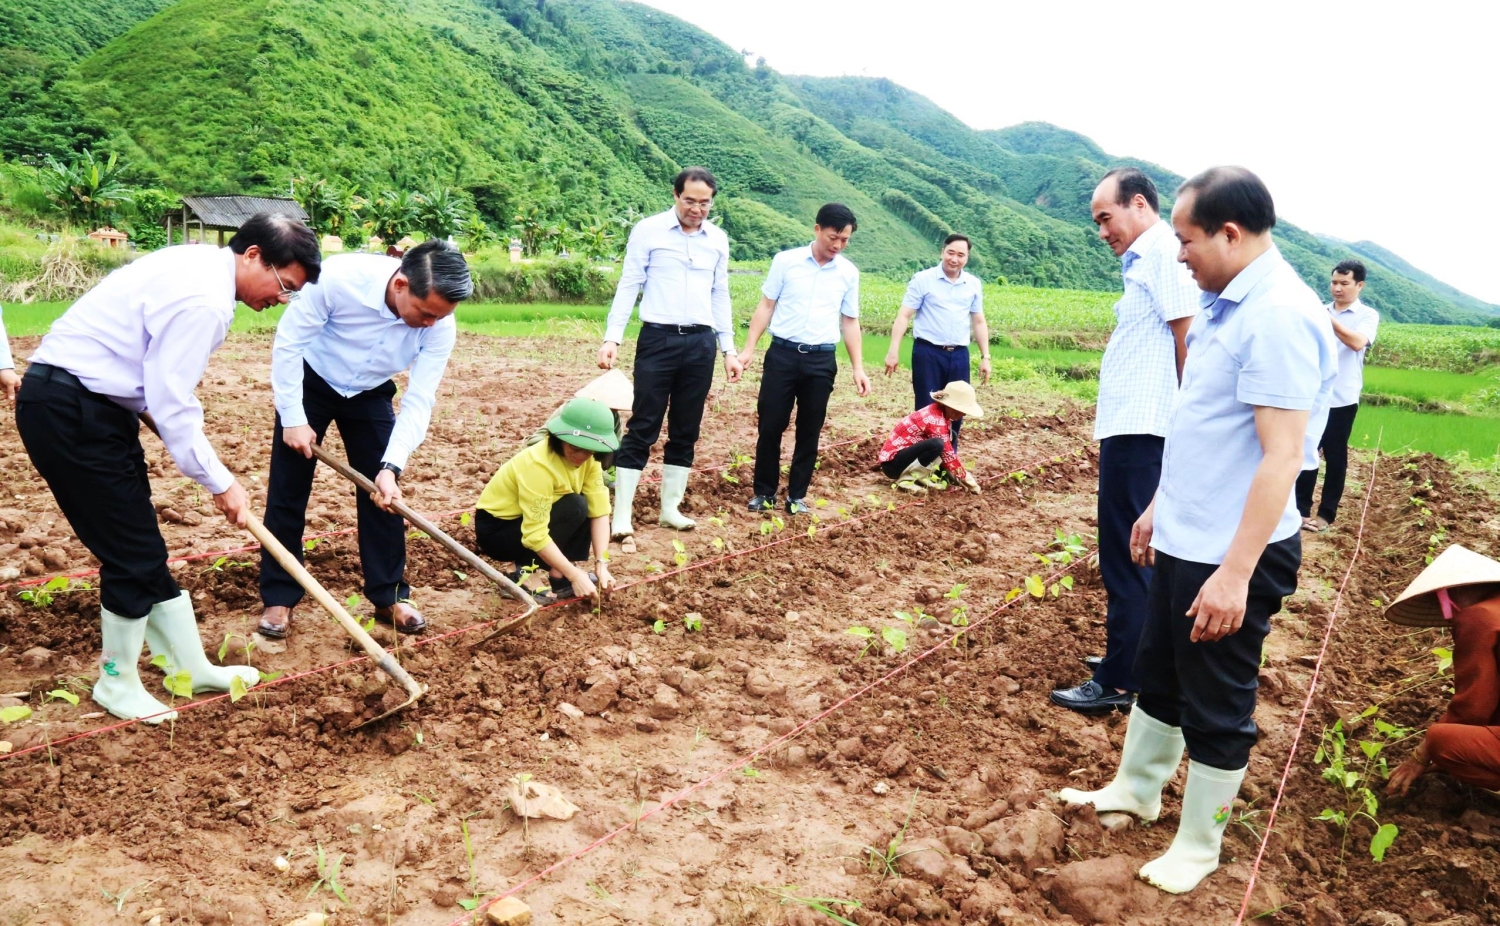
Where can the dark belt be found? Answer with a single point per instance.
(679, 329)
(948, 347)
(47, 373)
(803, 348)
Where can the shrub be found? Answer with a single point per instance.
(575, 280)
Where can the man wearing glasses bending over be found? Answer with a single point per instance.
(681, 260)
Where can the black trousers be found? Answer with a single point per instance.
(365, 422)
(791, 378)
(89, 450)
(1208, 689)
(1129, 470)
(673, 373)
(500, 538)
(924, 452)
(1335, 447)
(934, 367)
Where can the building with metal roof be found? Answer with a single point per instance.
(226, 213)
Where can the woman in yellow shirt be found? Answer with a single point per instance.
(548, 504)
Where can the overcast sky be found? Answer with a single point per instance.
(1369, 121)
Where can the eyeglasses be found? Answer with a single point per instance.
(285, 290)
(696, 203)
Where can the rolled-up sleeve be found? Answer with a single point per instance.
(181, 337)
(1281, 364)
(421, 392)
(302, 321)
(632, 278)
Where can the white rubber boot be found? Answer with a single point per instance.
(674, 481)
(172, 631)
(911, 478)
(1152, 753)
(1207, 804)
(626, 481)
(119, 689)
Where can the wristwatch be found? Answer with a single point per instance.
(392, 468)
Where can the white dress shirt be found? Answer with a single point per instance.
(343, 329)
(1138, 375)
(143, 337)
(944, 307)
(810, 297)
(686, 278)
(6, 362)
(1351, 382)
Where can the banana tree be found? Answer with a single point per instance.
(86, 189)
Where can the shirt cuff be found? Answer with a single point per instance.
(396, 456)
(726, 343)
(218, 478)
(294, 417)
(615, 334)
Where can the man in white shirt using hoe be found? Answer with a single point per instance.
(135, 346)
(809, 299)
(1354, 324)
(337, 347)
(1137, 385)
(943, 304)
(681, 260)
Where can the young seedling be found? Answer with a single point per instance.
(1353, 772)
(680, 557)
(328, 876)
(220, 564)
(659, 626)
(466, 519)
(472, 901)
(693, 622)
(882, 862)
(823, 905)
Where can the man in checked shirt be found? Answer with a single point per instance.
(1137, 385)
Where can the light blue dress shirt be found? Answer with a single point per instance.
(344, 330)
(685, 277)
(1351, 382)
(1138, 375)
(1264, 341)
(810, 298)
(944, 306)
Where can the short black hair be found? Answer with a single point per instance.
(1230, 194)
(1351, 266)
(957, 237)
(282, 240)
(556, 445)
(436, 265)
(837, 215)
(1130, 182)
(689, 174)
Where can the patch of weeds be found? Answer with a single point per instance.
(828, 906)
(882, 862)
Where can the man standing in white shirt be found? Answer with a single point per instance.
(809, 298)
(337, 347)
(134, 345)
(942, 304)
(1137, 385)
(681, 260)
(1354, 324)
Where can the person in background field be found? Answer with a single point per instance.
(9, 381)
(1461, 591)
(920, 442)
(137, 345)
(946, 302)
(1137, 385)
(1223, 530)
(613, 388)
(547, 505)
(1354, 324)
(337, 347)
(681, 261)
(810, 296)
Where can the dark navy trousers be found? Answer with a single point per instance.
(934, 367)
(1129, 470)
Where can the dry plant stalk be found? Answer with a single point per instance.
(63, 275)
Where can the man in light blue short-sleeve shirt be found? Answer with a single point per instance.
(1223, 532)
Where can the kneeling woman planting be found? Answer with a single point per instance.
(921, 444)
(547, 505)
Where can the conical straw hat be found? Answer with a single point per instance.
(612, 388)
(1418, 605)
(959, 396)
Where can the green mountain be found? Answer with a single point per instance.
(576, 110)
(1371, 251)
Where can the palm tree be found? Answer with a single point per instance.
(441, 212)
(86, 189)
(394, 213)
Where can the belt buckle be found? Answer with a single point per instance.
(802, 348)
(680, 330)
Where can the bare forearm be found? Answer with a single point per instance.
(1351, 338)
(853, 342)
(982, 336)
(760, 320)
(553, 556)
(898, 328)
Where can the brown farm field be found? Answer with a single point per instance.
(739, 773)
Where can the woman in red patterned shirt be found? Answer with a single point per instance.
(911, 454)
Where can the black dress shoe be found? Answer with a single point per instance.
(1092, 698)
(1092, 661)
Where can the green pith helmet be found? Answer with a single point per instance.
(586, 423)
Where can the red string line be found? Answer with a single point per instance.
(426, 640)
(1311, 690)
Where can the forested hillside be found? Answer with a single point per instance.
(568, 112)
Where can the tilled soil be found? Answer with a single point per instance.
(942, 770)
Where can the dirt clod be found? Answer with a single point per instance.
(1099, 890)
(509, 912)
(893, 760)
(1032, 840)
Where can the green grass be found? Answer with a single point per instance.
(1449, 436)
(1427, 385)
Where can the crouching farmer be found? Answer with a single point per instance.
(922, 443)
(547, 505)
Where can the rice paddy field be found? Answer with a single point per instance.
(1431, 388)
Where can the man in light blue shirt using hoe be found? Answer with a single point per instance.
(1223, 531)
(810, 299)
(942, 304)
(337, 346)
(1137, 386)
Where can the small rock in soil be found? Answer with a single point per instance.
(570, 711)
(700, 661)
(1116, 822)
(1033, 840)
(54, 558)
(850, 747)
(192, 518)
(315, 918)
(603, 687)
(960, 841)
(509, 912)
(893, 760)
(760, 685)
(172, 515)
(37, 657)
(267, 645)
(881, 787)
(647, 725)
(665, 704)
(993, 812)
(1380, 918)
(925, 860)
(9, 573)
(340, 712)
